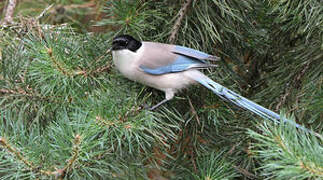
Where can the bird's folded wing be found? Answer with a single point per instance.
(162, 58)
(182, 63)
(194, 53)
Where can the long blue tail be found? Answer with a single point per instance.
(243, 102)
(238, 100)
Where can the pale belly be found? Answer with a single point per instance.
(175, 81)
(165, 82)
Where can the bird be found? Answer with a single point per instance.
(170, 68)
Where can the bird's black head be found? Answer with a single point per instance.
(125, 42)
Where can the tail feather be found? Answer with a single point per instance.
(238, 100)
(243, 102)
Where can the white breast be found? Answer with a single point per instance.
(125, 61)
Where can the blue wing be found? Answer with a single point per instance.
(194, 53)
(184, 59)
(181, 63)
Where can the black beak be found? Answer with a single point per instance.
(114, 46)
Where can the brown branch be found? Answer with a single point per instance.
(32, 94)
(58, 65)
(178, 22)
(8, 91)
(76, 149)
(101, 121)
(8, 19)
(59, 173)
(15, 152)
(78, 6)
(194, 111)
(99, 69)
(20, 91)
(307, 166)
(44, 12)
(310, 167)
(1, 61)
(295, 85)
(18, 155)
(245, 172)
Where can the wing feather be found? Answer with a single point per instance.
(168, 60)
(194, 53)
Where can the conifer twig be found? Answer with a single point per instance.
(98, 59)
(297, 81)
(79, 6)
(178, 22)
(8, 19)
(194, 111)
(60, 173)
(18, 155)
(76, 150)
(18, 91)
(44, 11)
(58, 65)
(98, 70)
(245, 172)
(304, 165)
(15, 152)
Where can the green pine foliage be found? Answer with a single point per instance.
(214, 166)
(286, 153)
(66, 113)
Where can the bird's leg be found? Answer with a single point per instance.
(160, 103)
(169, 95)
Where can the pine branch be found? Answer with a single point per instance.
(178, 21)
(58, 65)
(77, 6)
(44, 12)
(16, 153)
(286, 153)
(8, 17)
(293, 85)
(100, 69)
(194, 111)
(245, 172)
(33, 95)
(61, 173)
(214, 166)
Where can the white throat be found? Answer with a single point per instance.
(125, 61)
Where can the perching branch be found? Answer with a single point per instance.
(178, 22)
(8, 19)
